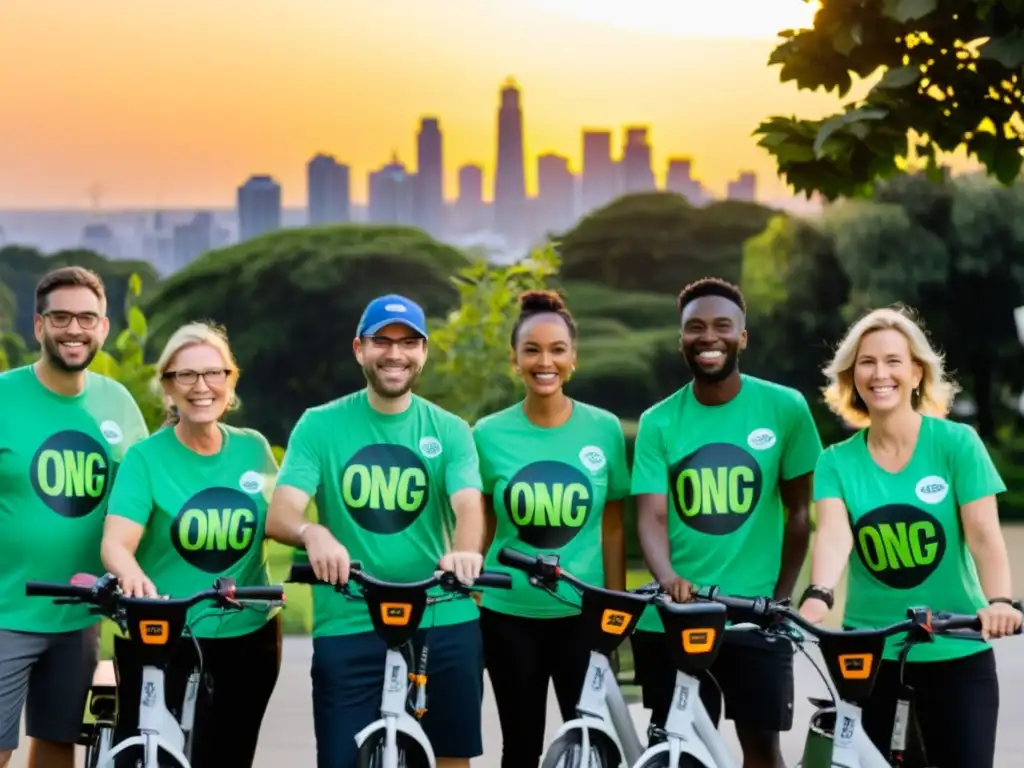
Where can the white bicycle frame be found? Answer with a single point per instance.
(394, 718)
(158, 728)
(851, 747)
(601, 707)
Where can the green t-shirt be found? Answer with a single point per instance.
(382, 484)
(720, 467)
(549, 488)
(909, 542)
(204, 517)
(58, 459)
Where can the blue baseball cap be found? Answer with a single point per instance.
(385, 310)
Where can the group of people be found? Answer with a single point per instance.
(725, 474)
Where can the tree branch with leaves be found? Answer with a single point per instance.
(953, 77)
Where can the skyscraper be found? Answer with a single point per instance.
(327, 196)
(259, 207)
(556, 193)
(391, 194)
(600, 178)
(509, 179)
(637, 175)
(744, 188)
(470, 210)
(429, 190)
(679, 179)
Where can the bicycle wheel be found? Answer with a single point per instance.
(136, 758)
(661, 761)
(410, 753)
(567, 752)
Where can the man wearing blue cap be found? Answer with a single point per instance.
(397, 485)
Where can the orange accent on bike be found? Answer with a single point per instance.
(698, 640)
(395, 614)
(856, 666)
(154, 632)
(615, 622)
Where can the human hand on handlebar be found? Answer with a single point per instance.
(678, 588)
(137, 585)
(329, 558)
(465, 565)
(814, 610)
(999, 620)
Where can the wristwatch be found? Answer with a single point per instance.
(1007, 600)
(820, 593)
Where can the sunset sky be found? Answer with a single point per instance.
(176, 102)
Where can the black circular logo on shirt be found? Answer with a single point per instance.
(70, 473)
(548, 502)
(385, 487)
(215, 528)
(900, 544)
(716, 488)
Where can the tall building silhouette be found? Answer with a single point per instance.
(429, 188)
(556, 194)
(327, 191)
(509, 178)
(637, 175)
(470, 211)
(259, 207)
(679, 179)
(743, 188)
(600, 178)
(392, 194)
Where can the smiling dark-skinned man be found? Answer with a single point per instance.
(716, 466)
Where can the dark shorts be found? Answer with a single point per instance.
(752, 674)
(348, 678)
(48, 676)
(955, 706)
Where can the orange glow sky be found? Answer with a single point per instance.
(176, 102)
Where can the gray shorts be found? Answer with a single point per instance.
(47, 675)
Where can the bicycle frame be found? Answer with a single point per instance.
(688, 728)
(155, 626)
(396, 611)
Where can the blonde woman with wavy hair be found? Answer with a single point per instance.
(913, 494)
(189, 505)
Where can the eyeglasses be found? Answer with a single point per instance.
(62, 319)
(386, 342)
(188, 378)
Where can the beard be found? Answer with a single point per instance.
(51, 351)
(729, 365)
(387, 389)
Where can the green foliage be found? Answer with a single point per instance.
(126, 362)
(657, 242)
(291, 301)
(953, 73)
(469, 372)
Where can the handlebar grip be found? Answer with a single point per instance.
(259, 593)
(493, 579)
(52, 589)
(513, 558)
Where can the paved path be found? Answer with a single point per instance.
(287, 738)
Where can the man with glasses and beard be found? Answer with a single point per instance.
(397, 485)
(63, 431)
(717, 466)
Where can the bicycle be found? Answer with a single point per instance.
(852, 659)
(602, 735)
(154, 625)
(396, 739)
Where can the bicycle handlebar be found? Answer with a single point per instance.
(917, 618)
(545, 568)
(303, 574)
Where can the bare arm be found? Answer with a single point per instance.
(796, 496)
(121, 538)
(470, 521)
(652, 527)
(613, 546)
(833, 542)
(491, 522)
(985, 541)
(286, 517)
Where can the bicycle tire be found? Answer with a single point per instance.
(410, 753)
(567, 752)
(661, 761)
(135, 756)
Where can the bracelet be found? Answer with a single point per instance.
(1007, 600)
(819, 593)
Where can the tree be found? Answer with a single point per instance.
(468, 371)
(658, 242)
(953, 77)
(291, 301)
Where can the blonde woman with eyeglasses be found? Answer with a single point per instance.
(914, 496)
(189, 505)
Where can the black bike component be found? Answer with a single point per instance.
(695, 632)
(852, 656)
(155, 625)
(396, 608)
(609, 617)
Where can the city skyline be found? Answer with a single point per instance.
(161, 115)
